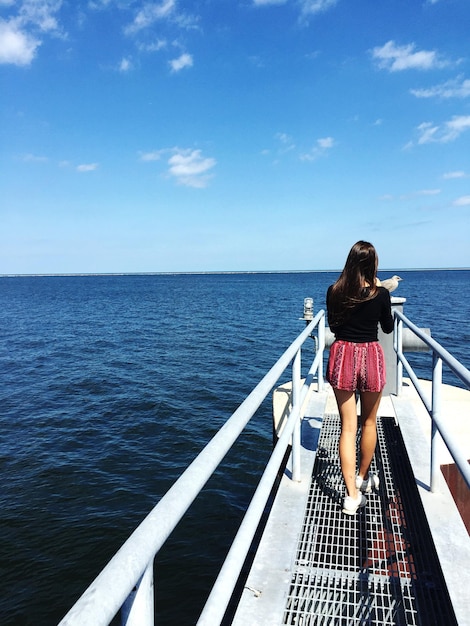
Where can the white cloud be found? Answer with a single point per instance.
(64, 163)
(284, 138)
(16, 46)
(397, 58)
(261, 3)
(320, 148)
(187, 166)
(154, 46)
(326, 142)
(99, 4)
(41, 14)
(287, 144)
(151, 156)
(307, 7)
(257, 61)
(87, 167)
(463, 201)
(286, 141)
(184, 60)
(419, 193)
(19, 35)
(428, 192)
(125, 65)
(456, 174)
(427, 132)
(32, 158)
(455, 88)
(455, 127)
(444, 133)
(190, 168)
(411, 195)
(311, 7)
(151, 13)
(167, 15)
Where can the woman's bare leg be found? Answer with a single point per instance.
(347, 442)
(369, 406)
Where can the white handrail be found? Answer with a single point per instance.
(434, 405)
(220, 595)
(117, 581)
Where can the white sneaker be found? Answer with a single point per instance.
(350, 505)
(367, 484)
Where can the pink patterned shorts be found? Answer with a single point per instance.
(358, 366)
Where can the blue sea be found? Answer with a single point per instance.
(111, 385)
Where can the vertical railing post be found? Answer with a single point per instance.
(138, 609)
(387, 342)
(296, 385)
(321, 345)
(435, 412)
(399, 350)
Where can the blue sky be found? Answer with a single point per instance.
(233, 135)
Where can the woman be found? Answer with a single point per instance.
(356, 305)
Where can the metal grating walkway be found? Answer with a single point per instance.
(377, 567)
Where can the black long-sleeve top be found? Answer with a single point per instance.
(362, 324)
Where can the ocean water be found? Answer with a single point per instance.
(111, 385)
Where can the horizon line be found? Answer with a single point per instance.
(218, 272)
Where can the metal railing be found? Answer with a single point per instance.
(434, 405)
(126, 583)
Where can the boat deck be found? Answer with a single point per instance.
(403, 559)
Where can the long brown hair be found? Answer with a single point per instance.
(356, 284)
